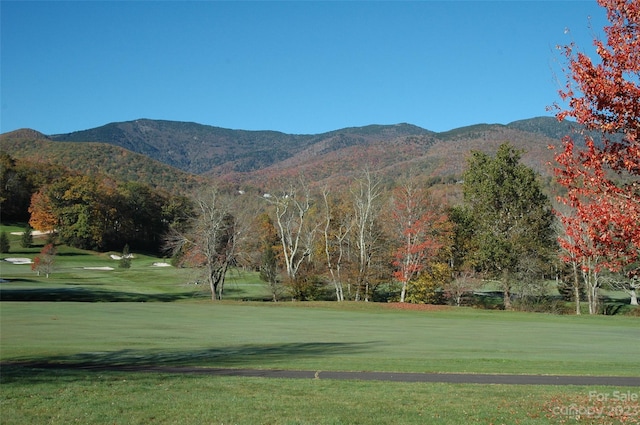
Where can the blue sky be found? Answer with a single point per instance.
(297, 67)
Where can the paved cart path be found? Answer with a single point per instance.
(453, 378)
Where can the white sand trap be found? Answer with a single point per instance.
(33, 233)
(98, 268)
(19, 260)
(119, 257)
(162, 264)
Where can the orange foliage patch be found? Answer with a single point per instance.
(418, 307)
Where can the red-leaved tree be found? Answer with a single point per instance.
(421, 228)
(45, 261)
(602, 177)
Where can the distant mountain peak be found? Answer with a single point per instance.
(25, 133)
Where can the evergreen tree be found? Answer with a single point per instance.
(125, 260)
(27, 238)
(4, 243)
(511, 218)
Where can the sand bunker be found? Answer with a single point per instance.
(162, 264)
(98, 268)
(119, 257)
(18, 260)
(33, 233)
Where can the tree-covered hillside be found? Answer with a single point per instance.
(96, 159)
(253, 156)
(198, 149)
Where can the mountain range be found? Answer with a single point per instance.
(187, 152)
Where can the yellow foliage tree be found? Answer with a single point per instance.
(427, 288)
(42, 216)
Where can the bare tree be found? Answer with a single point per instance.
(464, 282)
(296, 232)
(366, 194)
(210, 240)
(337, 227)
(628, 282)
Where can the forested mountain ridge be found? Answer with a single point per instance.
(95, 159)
(259, 157)
(198, 148)
(434, 155)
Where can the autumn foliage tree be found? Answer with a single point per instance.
(41, 213)
(44, 262)
(421, 227)
(268, 248)
(99, 213)
(83, 209)
(602, 177)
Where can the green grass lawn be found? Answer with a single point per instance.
(64, 397)
(77, 277)
(149, 315)
(318, 336)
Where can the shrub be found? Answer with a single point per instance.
(5, 245)
(27, 238)
(427, 288)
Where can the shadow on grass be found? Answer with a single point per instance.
(80, 294)
(129, 360)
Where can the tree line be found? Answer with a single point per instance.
(374, 242)
(401, 241)
(88, 212)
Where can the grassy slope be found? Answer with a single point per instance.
(72, 281)
(331, 336)
(318, 336)
(323, 338)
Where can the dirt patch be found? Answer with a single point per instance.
(418, 307)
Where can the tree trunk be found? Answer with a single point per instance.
(403, 293)
(216, 281)
(592, 291)
(212, 286)
(506, 291)
(576, 287)
(338, 286)
(576, 294)
(634, 296)
(506, 297)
